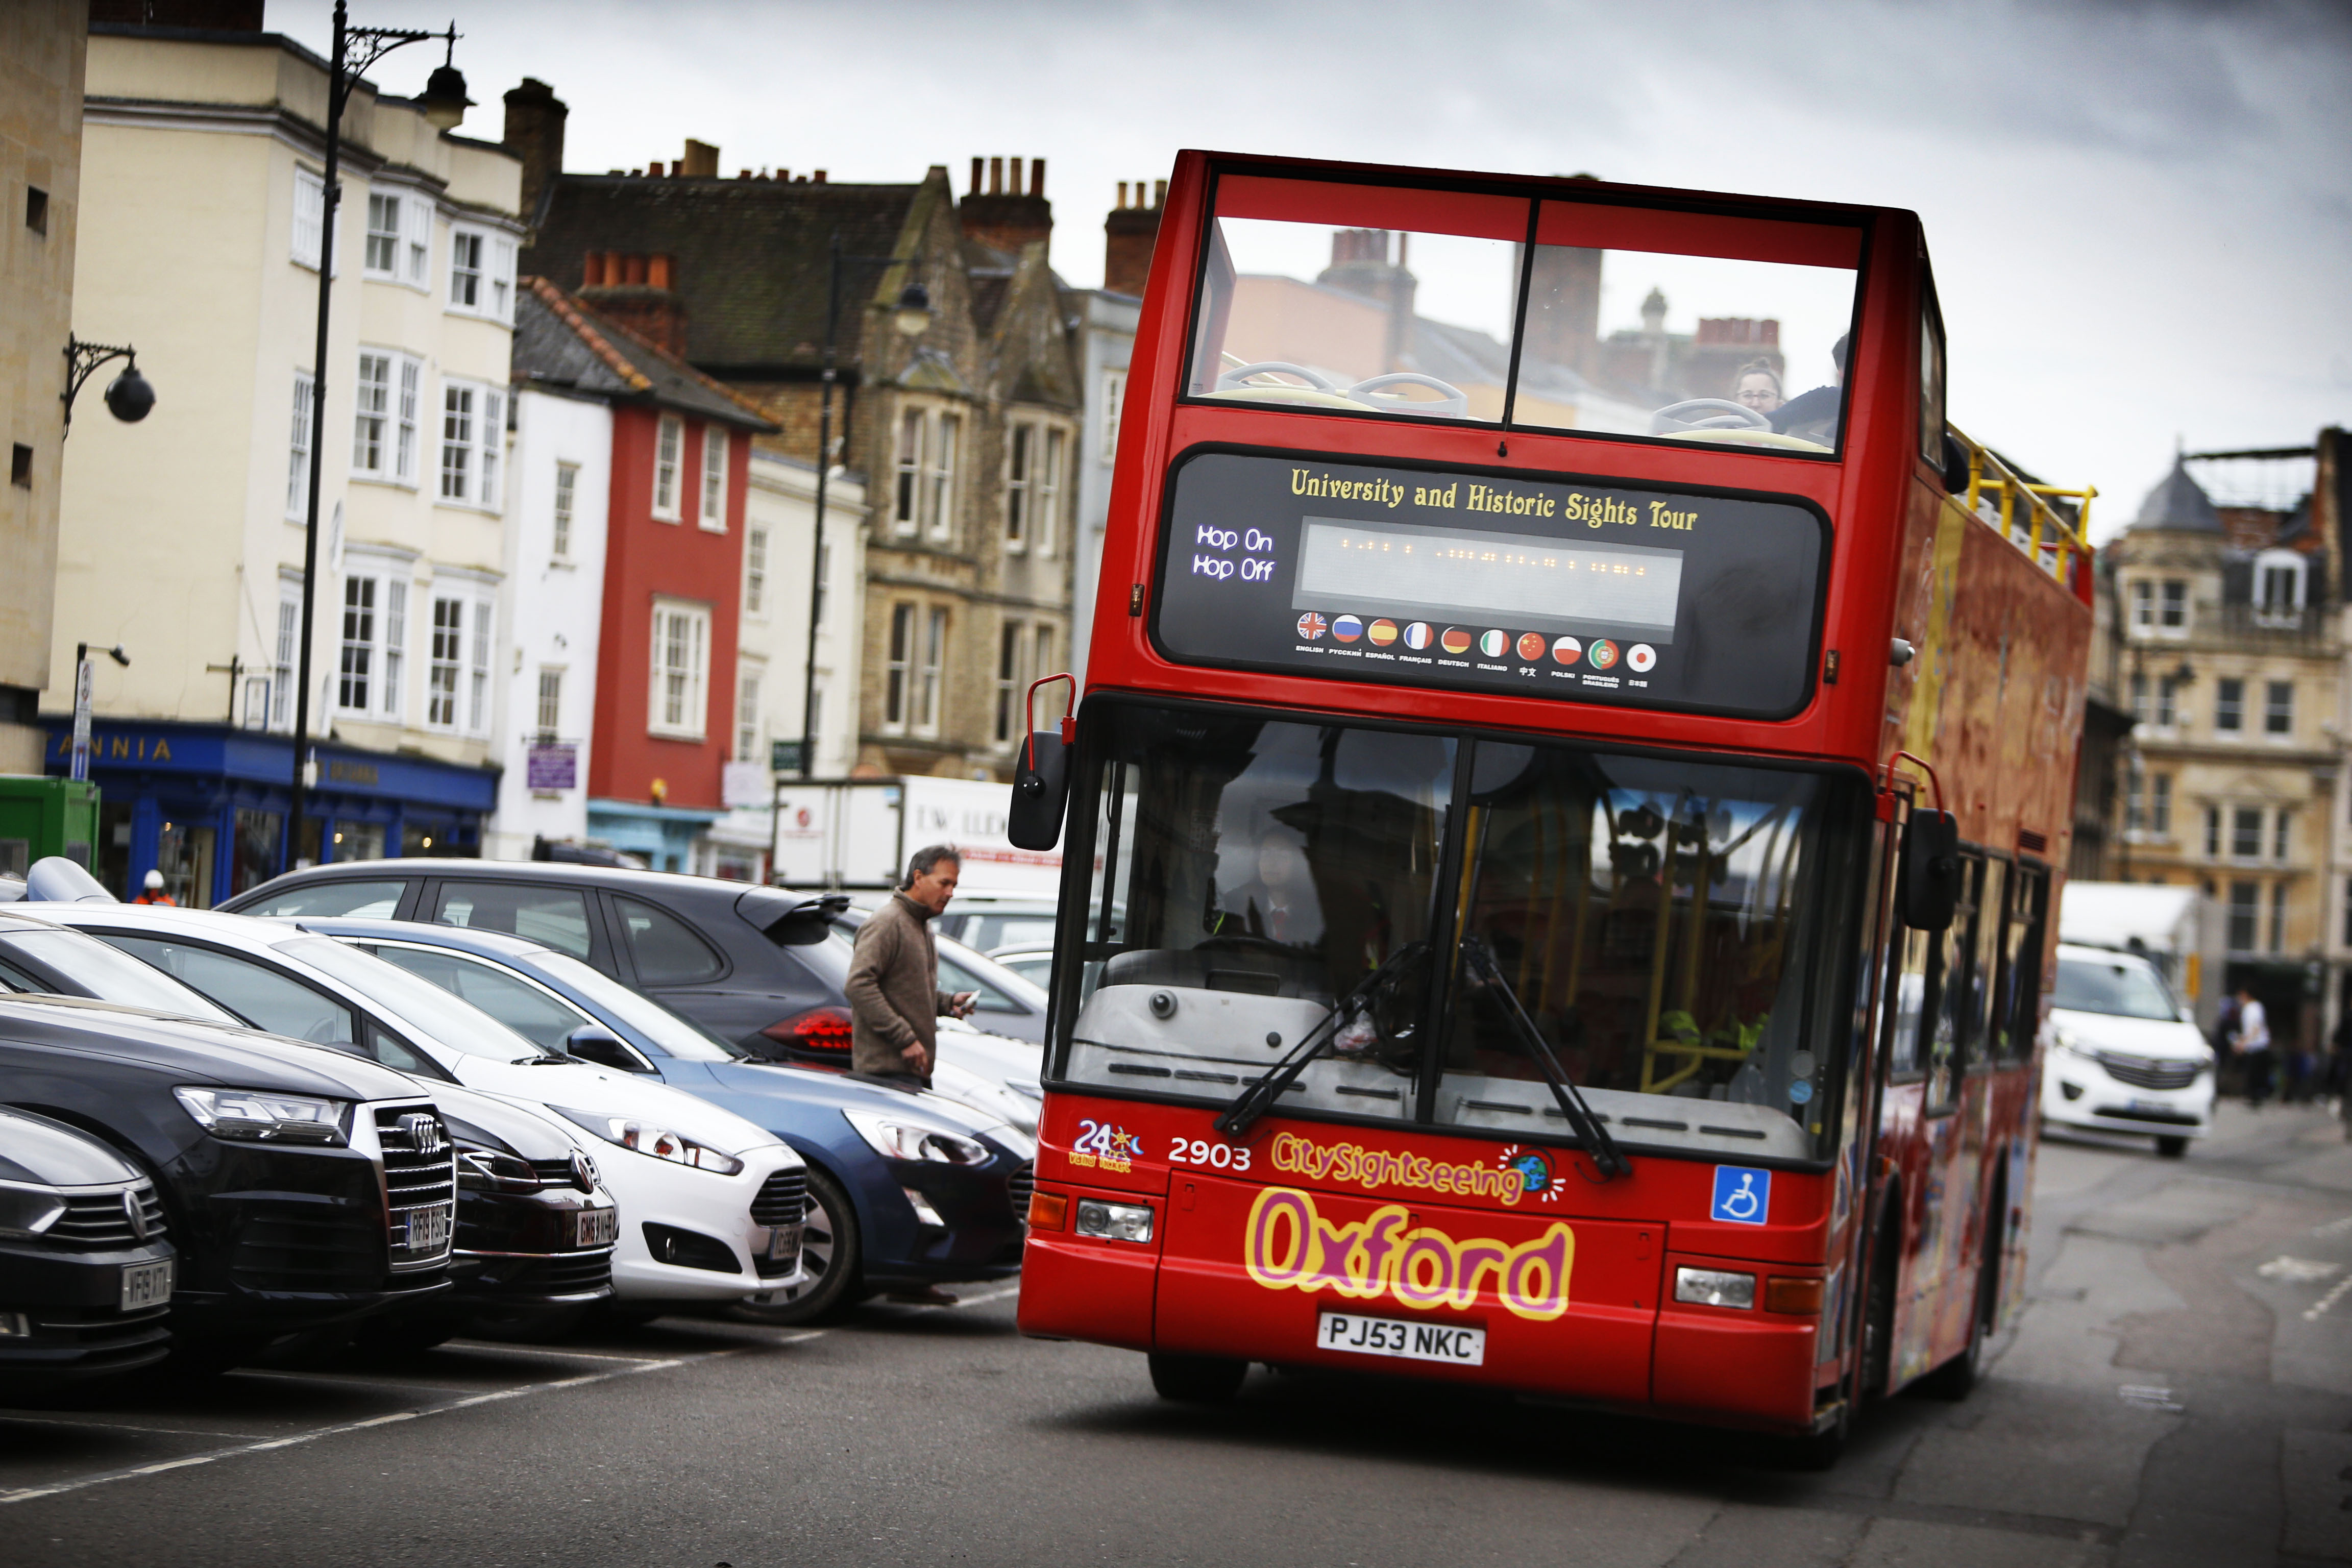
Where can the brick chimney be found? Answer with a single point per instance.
(1002, 216)
(1129, 235)
(534, 133)
(640, 293)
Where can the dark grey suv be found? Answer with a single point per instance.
(757, 966)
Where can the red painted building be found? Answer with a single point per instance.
(665, 664)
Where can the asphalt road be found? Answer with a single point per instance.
(2178, 1392)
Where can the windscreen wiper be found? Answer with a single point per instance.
(1479, 961)
(1258, 1098)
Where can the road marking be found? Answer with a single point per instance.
(2333, 1226)
(2147, 1397)
(27, 1494)
(2312, 1313)
(502, 1348)
(13, 1419)
(988, 1296)
(2297, 1270)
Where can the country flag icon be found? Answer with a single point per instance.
(1640, 658)
(1312, 626)
(1347, 628)
(1382, 633)
(1603, 653)
(1455, 640)
(1417, 634)
(1566, 650)
(1492, 644)
(1531, 646)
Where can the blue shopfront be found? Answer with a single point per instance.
(206, 803)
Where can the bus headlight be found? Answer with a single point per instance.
(1715, 1288)
(1114, 1222)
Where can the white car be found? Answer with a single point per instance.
(711, 1206)
(2125, 1056)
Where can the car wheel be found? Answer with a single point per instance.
(1196, 1379)
(2172, 1146)
(831, 1253)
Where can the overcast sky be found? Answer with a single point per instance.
(2140, 211)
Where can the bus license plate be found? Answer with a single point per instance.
(1396, 1337)
(595, 1228)
(428, 1229)
(146, 1284)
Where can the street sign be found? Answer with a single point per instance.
(82, 677)
(784, 756)
(552, 765)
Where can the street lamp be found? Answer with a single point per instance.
(129, 396)
(443, 103)
(912, 318)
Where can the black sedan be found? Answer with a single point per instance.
(302, 1186)
(86, 1270)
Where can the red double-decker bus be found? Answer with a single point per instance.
(1562, 824)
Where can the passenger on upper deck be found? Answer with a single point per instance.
(1758, 386)
(1814, 415)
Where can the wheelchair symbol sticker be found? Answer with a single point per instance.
(1743, 1194)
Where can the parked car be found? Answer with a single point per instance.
(1035, 964)
(758, 966)
(86, 1262)
(2125, 1056)
(897, 1198)
(302, 1188)
(534, 1230)
(710, 1205)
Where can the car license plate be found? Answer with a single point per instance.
(428, 1229)
(1397, 1337)
(784, 1243)
(146, 1284)
(595, 1228)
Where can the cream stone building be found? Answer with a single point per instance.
(41, 52)
(182, 538)
(2226, 645)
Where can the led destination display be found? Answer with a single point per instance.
(1507, 584)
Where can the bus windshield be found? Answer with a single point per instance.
(1618, 320)
(1664, 924)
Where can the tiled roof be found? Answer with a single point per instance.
(560, 343)
(2180, 502)
(751, 261)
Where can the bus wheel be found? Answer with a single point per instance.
(1196, 1379)
(2170, 1146)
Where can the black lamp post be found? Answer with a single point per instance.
(444, 104)
(912, 318)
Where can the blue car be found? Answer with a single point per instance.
(908, 1190)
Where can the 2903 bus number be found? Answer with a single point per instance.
(1201, 1151)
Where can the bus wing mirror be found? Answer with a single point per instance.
(1041, 774)
(1931, 869)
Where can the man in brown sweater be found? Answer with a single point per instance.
(894, 1000)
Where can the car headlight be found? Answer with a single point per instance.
(660, 1142)
(262, 1116)
(27, 1210)
(481, 1169)
(913, 1140)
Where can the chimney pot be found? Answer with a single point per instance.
(633, 270)
(817, 178)
(1013, 186)
(702, 160)
(975, 175)
(1158, 193)
(996, 176)
(592, 270)
(1037, 176)
(657, 272)
(742, 174)
(1122, 197)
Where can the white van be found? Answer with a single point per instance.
(2125, 1056)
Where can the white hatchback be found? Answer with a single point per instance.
(2125, 1055)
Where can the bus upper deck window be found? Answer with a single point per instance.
(1687, 326)
(1359, 299)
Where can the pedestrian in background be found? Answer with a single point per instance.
(2251, 1042)
(152, 892)
(894, 1000)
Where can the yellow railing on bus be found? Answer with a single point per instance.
(1997, 494)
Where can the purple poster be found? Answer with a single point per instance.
(555, 766)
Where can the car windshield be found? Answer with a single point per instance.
(1664, 924)
(111, 974)
(340, 896)
(1326, 297)
(443, 1018)
(663, 1029)
(2120, 987)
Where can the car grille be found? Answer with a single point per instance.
(558, 1172)
(415, 1176)
(782, 1199)
(100, 1222)
(296, 1245)
(2143, 1072)
(1023, 1183)
(567, 1273)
